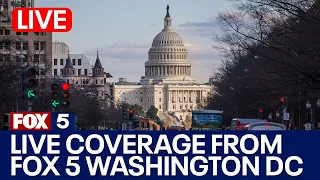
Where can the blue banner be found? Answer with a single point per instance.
(159, 154)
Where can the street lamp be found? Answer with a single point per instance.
(278, 116)
(270, 116)
(318, 119)
(318, 103)
(308, 105)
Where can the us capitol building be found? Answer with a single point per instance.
(167, 83)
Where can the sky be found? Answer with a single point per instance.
(123, 31)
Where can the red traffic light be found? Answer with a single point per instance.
(65, 86)
(282, 99)
(130, 111)
(260, 110)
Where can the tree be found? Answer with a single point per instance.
(152, 112)
(87, 108)
(10, 68)
(138, 110)
(268, 56)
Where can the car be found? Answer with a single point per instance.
(265, 126)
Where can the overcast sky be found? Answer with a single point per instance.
(123, 31)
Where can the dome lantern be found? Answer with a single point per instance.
(167, 20)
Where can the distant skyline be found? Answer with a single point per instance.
(123, 31)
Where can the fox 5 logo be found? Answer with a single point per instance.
(42, 121)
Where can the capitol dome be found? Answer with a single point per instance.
(167, 38)
(168, 57)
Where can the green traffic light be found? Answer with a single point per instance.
(55, 103)
(31, 94)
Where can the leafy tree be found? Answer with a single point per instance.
(152, 112)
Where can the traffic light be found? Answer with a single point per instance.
(30, 82)
(55, 95)
(124, 114)
(130, 114)
(65, 87)
(6, 122)
(260, 113)
(147, 124)
(282, 99)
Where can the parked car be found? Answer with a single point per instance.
(265, 126)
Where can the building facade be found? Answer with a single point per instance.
(80, 62)
(34, 48)
(167, 83)
(70, 70)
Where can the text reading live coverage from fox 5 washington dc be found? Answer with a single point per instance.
(46, 145)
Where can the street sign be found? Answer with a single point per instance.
(286, 116)
(308, 127)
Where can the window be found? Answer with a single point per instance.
(39, 33)
(160, 99)
(180, 106)
(141, 100)
(18, 45)
(74, 62)
(96, 81)
(7, 32)
(36, 58)
(36, 45)
(43, 45)
(85, 72)
(42, 57)
(25, 45)
(174, 107)
(25, 33)
(18, 33)
(55, 62)
(160, 107)
(79, 72)
(79, 62)
(61, 62)
(55, 72)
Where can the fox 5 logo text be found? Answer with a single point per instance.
(42, 121)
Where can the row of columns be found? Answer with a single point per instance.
(168, 56)
(168, 71)
(192, 95)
